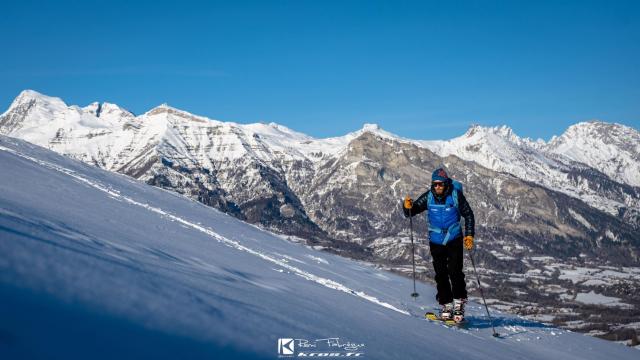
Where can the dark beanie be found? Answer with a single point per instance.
(439, 175)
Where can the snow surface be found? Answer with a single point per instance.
(594, 298)
(94, 265)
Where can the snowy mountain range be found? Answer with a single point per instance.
(262, 172)
(98, 265)
(574, 200)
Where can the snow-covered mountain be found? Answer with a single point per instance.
(111, 137)
(97, 265)
(217, 161)
(581, 163)
(613, 149)
(567, 164)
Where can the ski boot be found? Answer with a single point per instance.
(458, 310)
(446, 312)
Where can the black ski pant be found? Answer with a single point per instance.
(447, 262)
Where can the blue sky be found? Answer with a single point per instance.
(424, 69)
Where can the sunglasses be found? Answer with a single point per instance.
(437, 184)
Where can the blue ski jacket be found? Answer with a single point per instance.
(444, 213)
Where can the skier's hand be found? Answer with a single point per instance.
(408, 203)
(468, 242)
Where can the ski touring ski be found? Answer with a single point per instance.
(434, 317)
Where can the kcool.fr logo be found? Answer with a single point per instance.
(286, 346)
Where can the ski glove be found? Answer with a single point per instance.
(468, 242)
(408, 203)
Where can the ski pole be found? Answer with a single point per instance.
(495, 334)
(413, 260)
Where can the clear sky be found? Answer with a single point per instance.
(423, 69)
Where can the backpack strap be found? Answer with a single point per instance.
(454, 195)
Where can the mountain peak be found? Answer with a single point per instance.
(598, 126)
(165, 108)
(609, 147)
(596, 129)
(28, 99)
(371, 127)
(590, 123)
(28, 95)
(375, 129)
(502, 131)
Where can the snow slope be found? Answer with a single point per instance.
(96, 265)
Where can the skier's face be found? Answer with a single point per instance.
(438, 186)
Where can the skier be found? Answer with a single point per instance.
(446, 203)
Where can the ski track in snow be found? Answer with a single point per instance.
(228, 242)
